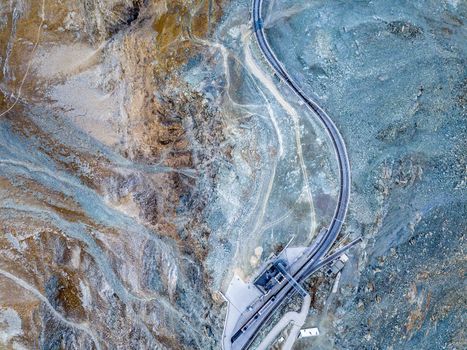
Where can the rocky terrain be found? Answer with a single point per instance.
(393, 77)
(147, 153)
(104, 176)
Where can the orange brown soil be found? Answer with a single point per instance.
(151, 42)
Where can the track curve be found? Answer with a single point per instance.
(315, 259)
(340, 149)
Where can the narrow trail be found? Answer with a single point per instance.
(292, 113)
(84, 327)
(38, 36)
(254, 317)
(340, 150)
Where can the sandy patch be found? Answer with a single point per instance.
(80, 86)
(88, 106)
(63, 60)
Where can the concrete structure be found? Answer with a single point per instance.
(337, 265)
(309, 332)
(297, 320)
(252, 319)
(256, 314)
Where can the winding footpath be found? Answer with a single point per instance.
(317, 252)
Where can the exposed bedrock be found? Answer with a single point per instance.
(147, 154)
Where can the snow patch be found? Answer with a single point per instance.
(10, 325)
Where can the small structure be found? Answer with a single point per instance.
(268, 278)
(337, 265)
(309, 332)
(274, 274)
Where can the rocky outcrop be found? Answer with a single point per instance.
(103, 177)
